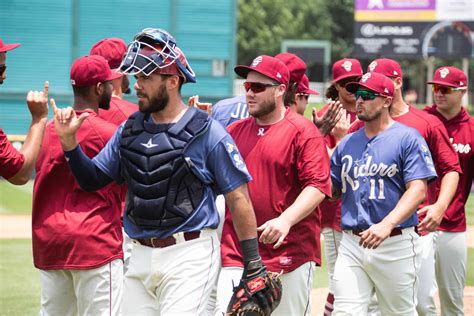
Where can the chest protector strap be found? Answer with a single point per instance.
(163, 191)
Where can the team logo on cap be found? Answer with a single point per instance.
(347, 65)
(372, 65)
(444, 72)
(365, 77)
(257, 61)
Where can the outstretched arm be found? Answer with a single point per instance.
(38, 106)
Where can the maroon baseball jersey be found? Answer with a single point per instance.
(461, 134)
(118, 112)
(74, 229)
(433, 131)
(282, 159)
(331, 210)
(11, 160)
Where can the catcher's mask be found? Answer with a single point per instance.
(153, 49)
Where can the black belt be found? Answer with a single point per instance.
(166, 242)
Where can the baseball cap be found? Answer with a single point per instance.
(387, 67)
(303, 86)
(296, 66)
(268, 66)
(90, 70)
(112, 49)
(375, 82)
(346, 67)
(449, 76)
(6, 47)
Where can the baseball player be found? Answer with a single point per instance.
(445, 250)
(381, 190)
(17, 166)
(172, 157)
(430, 127)
(113, 49)
(302, 95)
(77, 236)
(288, 161)
(343, 71)
(227, 111)
(297, 68)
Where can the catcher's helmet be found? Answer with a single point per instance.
(153, 49)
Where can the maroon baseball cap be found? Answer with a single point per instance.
(346, 67)
(295, 65)
(387, 67)
(449, 76)
(375, 82)
(303, 86)
(268, 66)
(6, 47)
(90, 70)
(112, 49)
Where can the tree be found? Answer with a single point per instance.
(263, 24)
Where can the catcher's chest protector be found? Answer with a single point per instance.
(162, 189)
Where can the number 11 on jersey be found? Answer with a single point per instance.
(381, 190)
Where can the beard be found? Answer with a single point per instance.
(366, 117)
(266, 107)
(156, 102)
(104, 102)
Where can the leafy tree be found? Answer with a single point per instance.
(263, 24)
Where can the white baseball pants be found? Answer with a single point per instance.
(82, 292)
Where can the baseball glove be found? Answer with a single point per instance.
(258, 294)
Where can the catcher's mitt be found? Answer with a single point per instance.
(258, 294)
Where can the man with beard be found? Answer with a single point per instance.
(17, 166)
(286, 155)
(77, 236)
(175, 160)
(113, 49)
(381, 188)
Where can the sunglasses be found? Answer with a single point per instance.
(303, 96)
(258, 87)
(365, 95)
(445, 89)
(2, 69)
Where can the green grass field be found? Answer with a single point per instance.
(19, 280)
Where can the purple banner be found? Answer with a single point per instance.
(395, 5)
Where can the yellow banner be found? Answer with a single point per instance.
(396, 15)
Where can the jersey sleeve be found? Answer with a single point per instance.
(227, 165)
(11, 160)
(444, 156)
(312, 162)
(336, 167)
(108, 159)
(417, 161)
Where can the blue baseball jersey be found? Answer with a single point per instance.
(217, 162)
(372, 173)
(228, 111)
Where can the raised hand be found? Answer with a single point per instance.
(342, 126)
(37, 102)
(327, 122)
(66, 123)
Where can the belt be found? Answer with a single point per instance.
(394, 232)
(168, 241)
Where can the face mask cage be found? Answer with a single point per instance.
(153, 49)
